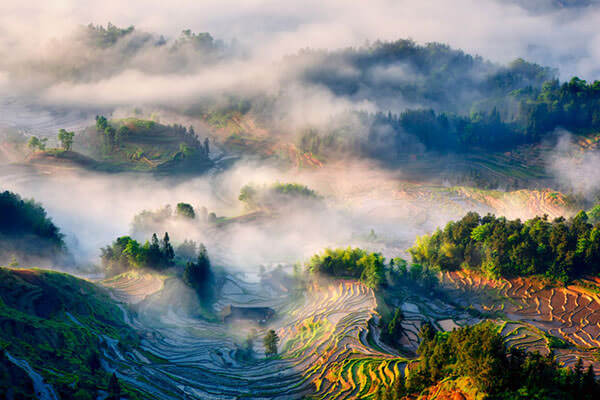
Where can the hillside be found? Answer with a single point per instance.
(142, 145)
(130, 144)
(27, 233)
(57, 334)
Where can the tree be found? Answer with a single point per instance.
(167, 249)
(101, 122)
(37, 143)
(94, 361)
(248, 195)
(126, 253)
(270, 342)
(109, 138)
(212, 218)
(350, 263)
(391, 332)
(121, 134)
(187, 250)
(114, 388)
(185, 210)
(154, 255)
(197, 275)
(66, 139)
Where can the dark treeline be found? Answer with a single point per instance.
(560, 249)
(400, 73)
(199, 276)
(25, 229)
(478, 352)
(26, 217)
(574, 106)
(452, 102)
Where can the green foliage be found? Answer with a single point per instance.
(270, 342)
(122, 133)
(105, 37)
(147, 145)
(350, 263)
(57, 322)
(500, 109)
(574, 105)
(66, 139)
(275, 195)
(114, 388)
(479, 352)
(198, 275)
(26, 229)
(126, 253)
(110, 139)
(185, 210)
(37, 143)
(594, 214)
(202, 41)
(101, 123)
(248, 195)
(561, 249)
(392, 330)
(294, 189)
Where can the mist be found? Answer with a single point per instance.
(48, 57)
(306, 68)
(575, 165)
(361, 206)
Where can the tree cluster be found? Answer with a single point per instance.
(185, 210)
(22, 217)
(560, 249)
(198, 275)
(502, 108)
(479, 352)
(391, 329)
(126, 253)
(352, 263)
(66, 139)
(37, 143)
(256, 196)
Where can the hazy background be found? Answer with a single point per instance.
(561, 34)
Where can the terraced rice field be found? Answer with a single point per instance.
(538, 317)
(38, 120)
(133, 286)
(324, 348)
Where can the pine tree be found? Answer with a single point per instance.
(114, 388)
(198, 275)
(589, 386)
(270, 342)
(167, 250)
(94, 361)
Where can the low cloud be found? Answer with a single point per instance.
(575, 167)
